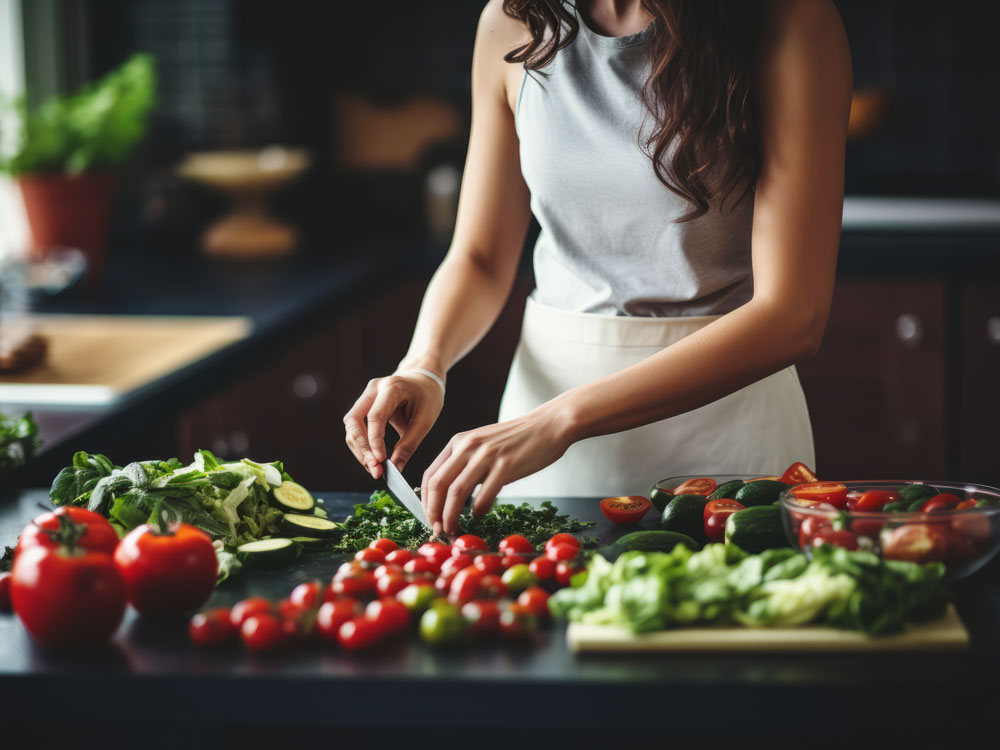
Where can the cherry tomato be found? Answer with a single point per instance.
(455, 563)
(357, 586)
(914, 542)
(851, 501)
(384, 544)
(399, 556)
(625, 511)
(417, 596)
(262, 632)
(519, 577)
(370, 557)
(49, 529)
(442, 624)
(516, 623)
(515, 544)
(468, 543)
(561, 552)
(489, 563)
(255, 605)
(5, 592)
(837, 537)
(976, 526)
(875, 500)
(67, 596)
(212, 628)
(698, 486)
(167, 571)
(388, 614)
(306, 595)
(944, 501)
(442, 584)
(482, 617)
(348, 570)
(565, 570)
(492, 586)
(562, 538)
(810, 525)
(359, 633)
(715, 526)
(542, 568)
(287, 609)
(966, 504)
(390, 585)
(388, 570)
(867, 527)
(435, 552)
(422, 565)
(798, 473)
(833, 493)
(536, 601)
(331, 615)
(509, 561)
(719, 506)
(465, 584)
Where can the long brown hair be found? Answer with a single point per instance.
(698, 91)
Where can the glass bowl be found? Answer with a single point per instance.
(964, 540)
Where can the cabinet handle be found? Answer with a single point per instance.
(993, 330)
(305, 385)
(910, 330)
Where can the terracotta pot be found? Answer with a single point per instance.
(67, 211)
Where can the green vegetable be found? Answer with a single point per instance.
(916, 505)
(660, 496)
(268, 553)
(756, 529)
(648, 541)
(96, 128)
(761, 492)
(726, 491)
(913, 492)
(684, 515)
(19, 439)
(297, 523)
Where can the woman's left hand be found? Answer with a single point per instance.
(493, 456)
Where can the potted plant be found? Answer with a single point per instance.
(67, 155)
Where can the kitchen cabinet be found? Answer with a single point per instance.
(977, 398)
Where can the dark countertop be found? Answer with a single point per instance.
(155, 675)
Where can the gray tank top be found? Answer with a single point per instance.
(609, 243)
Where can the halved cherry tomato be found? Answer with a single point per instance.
(966, 504)
(944, 501)
(875, 500)
(717, 506)
(384, 544)
(625, 510)
(833, 493)
(699, 486)
(515, 544)
(839, 537)
(798, 473)
(468, 542)
(714, 518)
(562, 538)
(915, 542)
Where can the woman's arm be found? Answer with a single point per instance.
(469, 289)
(804, 91)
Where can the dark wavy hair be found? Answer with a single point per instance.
(698, 93)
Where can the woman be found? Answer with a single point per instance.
(684, 159)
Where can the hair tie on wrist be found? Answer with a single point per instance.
(427, 373)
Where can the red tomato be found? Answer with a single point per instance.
(263, 632)
(516, 623)
(875, 500)
(422, 565)
(370, 557)
(50, 529)
(966, 504)
(332, 615)
(465, 584)
(839, 538)
(442, 583)
(388, 614)
(255, 605)
(536, 601)
(435, 552)
(67, 597)
(976, 526)
(348, 570)
(468, 543)
(562, 538)
(833, 493)
(715, 525)
(169, 571)
(388, 570)
(719, 506)
(384, 544)
(867, 527)
(914, 542)
(810, 525)
(5, 592)
(699, 486)
(399, 556)
(515, 544)
(798, 473)
(359, 633)
(356, 586)
(561, 552)
(625, 511)
(492, 586)
(543, 568)
(482, 617)
(944, 501)
(306, 595)
(509, 561)
(212, 628)
(565, 570)
(489, 563)
(390, 585)
(288, 610)
(455, 563)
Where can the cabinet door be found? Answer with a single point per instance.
(877, 390)
(978, 396)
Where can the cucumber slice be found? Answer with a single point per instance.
(268, 553)
(293, 496)
(308, 542)
(312, 526)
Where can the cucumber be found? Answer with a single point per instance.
(309, 542)
(659, 496)
(311, 526)
(684, 515)
(756, 529)
(912, 492)
(761, 492)
(896, 507)
(268, 553)
(917, 504)
(726, 491)
(647, 541)
(294, 497)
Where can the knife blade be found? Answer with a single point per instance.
(400, 489)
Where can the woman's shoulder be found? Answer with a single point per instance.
(799, 34)
(498, 32)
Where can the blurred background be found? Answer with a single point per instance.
(230, 274)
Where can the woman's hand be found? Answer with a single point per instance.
(493, 456)
(410, 403)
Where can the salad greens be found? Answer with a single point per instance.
(19, 439)
(644, 591)
(382, 517)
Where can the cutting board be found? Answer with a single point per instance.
(946, 633)
(93, 359)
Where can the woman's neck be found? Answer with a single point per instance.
(615, 17)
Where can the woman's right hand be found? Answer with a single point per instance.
(410, 403)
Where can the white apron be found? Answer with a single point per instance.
(759, 430)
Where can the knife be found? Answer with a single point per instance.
(400, 489)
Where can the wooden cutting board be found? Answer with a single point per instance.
(93, 359)
(947, 633)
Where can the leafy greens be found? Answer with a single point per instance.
(19, 439)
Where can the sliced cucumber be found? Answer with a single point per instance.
(312, 526)
(293, 496)
(268, 553)
(308, 542)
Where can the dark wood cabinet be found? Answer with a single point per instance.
(978, 395)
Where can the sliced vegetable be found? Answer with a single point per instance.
(716, 514)
(268, 553)
(292, 496)
(833, 493)
(944, 501)
(314, 526)
(625, 511)
(798, 473)
(699, 486)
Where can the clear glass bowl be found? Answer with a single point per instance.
(964, 540)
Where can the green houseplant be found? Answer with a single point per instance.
(68, 153)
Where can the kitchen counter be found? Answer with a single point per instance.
(150, 675)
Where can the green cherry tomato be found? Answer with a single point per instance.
(442, 625)
(417, 596)
(518, 578)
